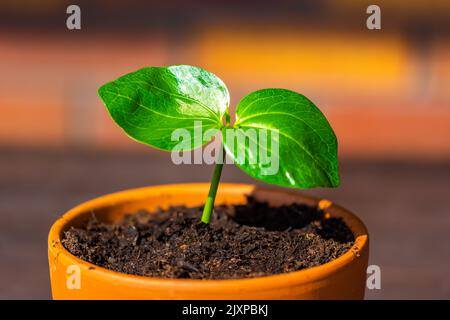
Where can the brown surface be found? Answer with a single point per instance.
(403, 205)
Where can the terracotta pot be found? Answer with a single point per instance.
(73, 278)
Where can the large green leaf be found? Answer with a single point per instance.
(307, 146)
(151, 103)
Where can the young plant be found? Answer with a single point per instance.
(152, 102)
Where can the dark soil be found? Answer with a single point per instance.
(241, 242)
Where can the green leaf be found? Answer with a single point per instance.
(151, 103)
(307, 145)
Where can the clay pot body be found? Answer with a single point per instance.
(73, 278)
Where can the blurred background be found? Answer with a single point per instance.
(385, 92)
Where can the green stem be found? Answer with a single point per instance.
(209, 204)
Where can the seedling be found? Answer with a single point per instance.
(150, 103)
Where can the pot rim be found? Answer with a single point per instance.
(263, 282)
